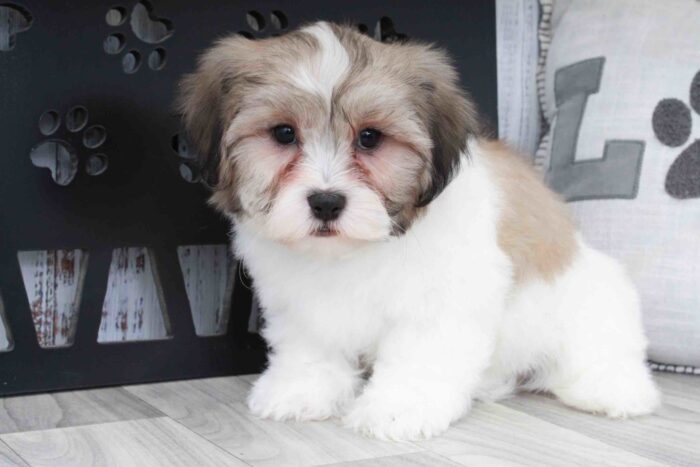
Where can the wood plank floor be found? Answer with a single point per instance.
(205, 422)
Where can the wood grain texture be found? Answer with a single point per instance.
(206, 422)
(209, 275)
(493, 434)
(215, 409)
(680, 390)
(148, 442)
(670, 436)
(8, 458)
(179, 396)
(65, 409)
(252, 378)
(414, 459)
(53, 282)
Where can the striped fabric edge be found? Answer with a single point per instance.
(670, 368)
(544, 37)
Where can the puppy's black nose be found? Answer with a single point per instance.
(325, 205)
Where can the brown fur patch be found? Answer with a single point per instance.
(427, 83)
(535, 228)
(227, 78)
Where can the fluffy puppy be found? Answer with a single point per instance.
(385, 236)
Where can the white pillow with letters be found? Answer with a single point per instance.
(621, 94)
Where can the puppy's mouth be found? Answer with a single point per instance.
(325, 231)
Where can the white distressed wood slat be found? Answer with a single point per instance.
(5, 335)
(209, 275)
(53, 282)
(133, 308)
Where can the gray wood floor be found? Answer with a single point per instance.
(205, 422)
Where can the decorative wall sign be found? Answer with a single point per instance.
(63, 151)
(146, 27)
(113, 269)
(14, 19)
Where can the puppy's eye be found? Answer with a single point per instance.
(369, 138)
(284, 134)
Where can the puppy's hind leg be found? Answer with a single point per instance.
(601, 367)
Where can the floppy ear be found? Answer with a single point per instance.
(206, 103)
(199, 102)
(451, 119)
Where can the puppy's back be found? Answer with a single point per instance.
(535, 229)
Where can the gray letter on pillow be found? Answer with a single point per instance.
(616, 175)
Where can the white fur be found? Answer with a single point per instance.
(441, 322)
(325, 168)
(327, 68)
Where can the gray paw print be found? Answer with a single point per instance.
(672, 123)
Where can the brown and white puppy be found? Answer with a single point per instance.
(380, 227)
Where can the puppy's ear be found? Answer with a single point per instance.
(450, 116)
(206, 102)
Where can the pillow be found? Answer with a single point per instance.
(621, 97)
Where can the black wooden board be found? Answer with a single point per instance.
(53, 58)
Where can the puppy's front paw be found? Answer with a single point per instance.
(404, 414)
(301, 397)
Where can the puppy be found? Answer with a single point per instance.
(386, 236)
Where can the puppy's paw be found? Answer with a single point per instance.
(300, 397)
(620, 395)
(404, 414)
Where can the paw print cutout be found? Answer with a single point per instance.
(384, 31)
(147, 27)
(189, 170)
(673, 123)
(13, 20)
(259, 27)
(59, 153)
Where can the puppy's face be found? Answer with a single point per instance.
(325, 135)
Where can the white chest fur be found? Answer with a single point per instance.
(446, 261)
